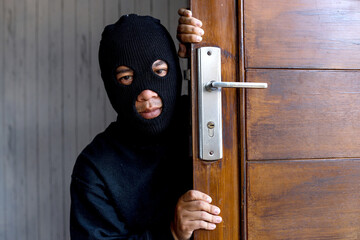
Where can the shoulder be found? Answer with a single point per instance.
(102, 153)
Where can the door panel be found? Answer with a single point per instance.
(302, 34)
(297, 143)
(304, 200)
(303, 114)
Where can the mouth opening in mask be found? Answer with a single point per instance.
(149, 104)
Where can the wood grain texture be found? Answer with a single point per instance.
(303, 114)
(219, 179)
(302, 34)
(296, 200)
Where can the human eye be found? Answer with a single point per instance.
(124, 75)
(125, 80)
(160, 68)
(161, 72)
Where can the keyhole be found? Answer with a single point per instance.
(211, 126)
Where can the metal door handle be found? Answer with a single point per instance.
(212, 85)
(209, 100)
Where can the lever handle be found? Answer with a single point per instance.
(209, 99)
(212, 85)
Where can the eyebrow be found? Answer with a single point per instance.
(161, 62)
(123, 70)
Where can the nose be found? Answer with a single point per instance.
(146, 95)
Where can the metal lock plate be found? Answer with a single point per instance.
(210, 114)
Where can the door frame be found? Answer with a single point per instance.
(222, 179)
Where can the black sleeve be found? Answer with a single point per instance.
(93, 217)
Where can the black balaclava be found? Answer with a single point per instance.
(137, 42)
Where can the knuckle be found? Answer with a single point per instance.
(199, 31)
(189, 38)
(188, 21)
(192, 194)
(203, 224)
(192, 21)
(180, 28)
(179, 208)
(182, 228)
(183, 11)
(190, 29)
(203, 215)
(202, 205)
(185, 228)
(193, 38)
(182, 19)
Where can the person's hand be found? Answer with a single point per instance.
(189, 30)
(194, 211)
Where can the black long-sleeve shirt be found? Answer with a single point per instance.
(124, 189)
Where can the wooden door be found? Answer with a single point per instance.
(291, 166)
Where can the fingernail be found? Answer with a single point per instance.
(202, 32)
(198, 38)
(208, 198)
(218, 219)
(217, 210)
(212, 226)
(198, 23)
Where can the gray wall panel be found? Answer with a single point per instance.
(31, 137)
(9, 121)
(53, 103)
(44, 123)
(68, 101)
(19, 109)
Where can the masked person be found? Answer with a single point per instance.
(132, 180)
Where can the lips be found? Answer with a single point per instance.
(149, 109)
(150, 113)
(148, 104)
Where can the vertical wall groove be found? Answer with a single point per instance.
(37, 181)
(63, 182)
(31, 139)
(2, 120)
(9, 119)
(69, 101)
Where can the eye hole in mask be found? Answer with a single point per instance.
(160, 68)
(124, 75)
